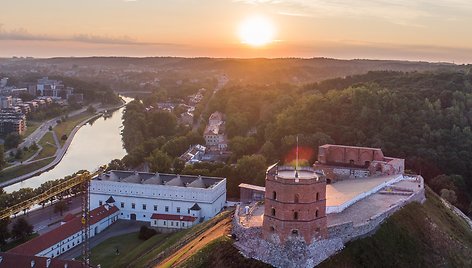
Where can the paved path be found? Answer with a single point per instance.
(118, 228)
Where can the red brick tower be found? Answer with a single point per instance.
(295, 205)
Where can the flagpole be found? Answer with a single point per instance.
(296, 161)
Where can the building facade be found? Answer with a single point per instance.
(146, 196)
(295, 205)
(69, 234)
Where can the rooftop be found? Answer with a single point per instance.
(42, 242)
(160, 179)
(8, 260)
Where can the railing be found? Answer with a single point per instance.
(51, 192)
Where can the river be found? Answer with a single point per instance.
(95, 144)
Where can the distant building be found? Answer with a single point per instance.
(69, 234)
(6, 102)
(186, 118)
(194, 154)
(339, 161)
(165, 200)
(251, 193)
(50, 88)
(12, 120)
(214, 133)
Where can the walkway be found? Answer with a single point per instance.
(120, 227)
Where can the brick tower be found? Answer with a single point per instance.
(295, 205)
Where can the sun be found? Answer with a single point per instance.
(257, 31)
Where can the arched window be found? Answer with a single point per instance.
(273, 211)
(274, 195)
(295, 215)
(272, 229)
(316, 214)
(297, 197)
(295, 232)
(317, 196)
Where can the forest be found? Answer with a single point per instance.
(424, 117)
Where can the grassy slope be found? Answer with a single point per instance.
(66, 127)
(48, 144)
(21, 170)
(221, 253)
(427, 235)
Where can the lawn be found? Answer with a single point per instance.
(25, 155)
(66, 127)
(48, 144)
(14, 172)
(127, 244)
(31, 126)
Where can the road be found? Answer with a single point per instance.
(222, 80)
(44, 219)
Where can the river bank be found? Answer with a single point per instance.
(61, 152)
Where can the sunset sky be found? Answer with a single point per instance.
(432, 30)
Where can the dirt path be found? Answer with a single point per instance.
(220, 229)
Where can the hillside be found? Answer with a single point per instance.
(428, 235)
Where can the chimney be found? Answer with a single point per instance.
(48, 262)
(32, 263)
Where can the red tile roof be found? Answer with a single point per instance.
(8, 260)
(40, 243)
(172, 217)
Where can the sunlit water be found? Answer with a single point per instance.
(93, 145)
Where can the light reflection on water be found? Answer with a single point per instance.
(93, 145)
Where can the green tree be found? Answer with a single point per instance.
(21, 229)
(159, 161)
(251, 169)
(116, 164)
(269, 152)
(12, 140)
(2, 157)
(4, 233)
(449, 195)
(176, 146)
(178, 165)
(18, 154)
(60, 207)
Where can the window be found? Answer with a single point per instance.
(272, 229)
(167, 209)
(274, 195)
(295, 215)
(165, 222)
(183, 223)
(297, 198)
(133, 205)
(295, 232)
(273, 211)
(122, 205)
(178, 210)
(144, 206)
(171, 223)
(317, 196)
(100, 203)
(316, 214)
(188, 211)
(155, 207)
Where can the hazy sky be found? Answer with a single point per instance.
(433, 30)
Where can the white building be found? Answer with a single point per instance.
(214, 133)
(194, 154)
(69, 234)
(146, 196)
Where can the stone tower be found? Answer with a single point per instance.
(295, 205)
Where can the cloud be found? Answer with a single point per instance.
(398, 12)
(22, 34)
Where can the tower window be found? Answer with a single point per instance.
(273, 211)
(274, 195)
(294, 232)
(272, 229)
(316, 213)
(317, 196)
(297, 198)
(295, 215)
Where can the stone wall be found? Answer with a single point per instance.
(348, 231)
